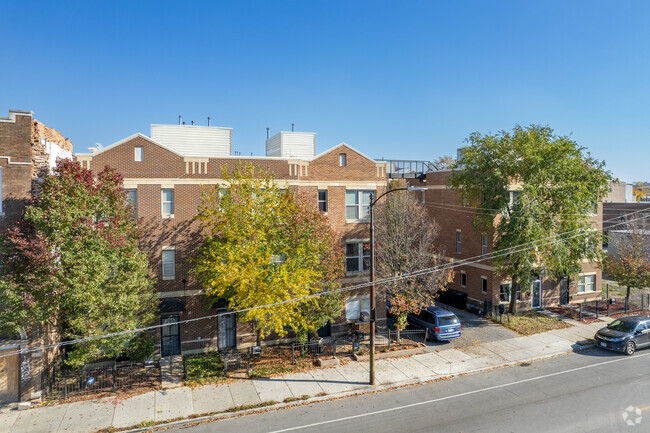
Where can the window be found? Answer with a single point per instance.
(463, 279)
(168, 202)
(343, 159)
(459, 241)
(587, 283)
(132, 199)
(322, 200)
(168, 263)
(504, 292)
(354, 307)
(484, 245)
(483, 285)
(357, 204)
(138, 153)
(357, 256)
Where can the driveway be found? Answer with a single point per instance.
(475, 330)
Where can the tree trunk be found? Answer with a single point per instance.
(627, 296)
(259, 337)
(513, 297)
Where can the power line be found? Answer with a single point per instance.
(471, 260)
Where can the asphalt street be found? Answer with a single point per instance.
(591, 391)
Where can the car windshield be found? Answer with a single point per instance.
(447, 320)
(622, 326)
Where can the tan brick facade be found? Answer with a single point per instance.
(162, 168)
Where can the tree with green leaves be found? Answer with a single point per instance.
(629, 264)
(405, 242)
(73, 262)
(536, 190)
(266, 246)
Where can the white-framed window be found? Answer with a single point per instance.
(484, 245)
(132, 198)
(343, 159)
(357, 256)
(463, 279)
(139, 153)
(167, 202)
(357, 204)
(354, 307)
(322, 200)
(459, 241)
(587, 283)
(168, 263)
(484, 284)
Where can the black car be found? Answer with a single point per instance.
(625, 334)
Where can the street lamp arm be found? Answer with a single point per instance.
(410, 188)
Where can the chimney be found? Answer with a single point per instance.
(268, 133)
(180, 118)
(208, 120)
(293, 127)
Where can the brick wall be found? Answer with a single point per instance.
(162, 168)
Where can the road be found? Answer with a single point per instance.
(583, 392)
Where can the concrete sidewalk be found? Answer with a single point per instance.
(351, 378)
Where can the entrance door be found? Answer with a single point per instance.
(564, 290)
(536, 291)
(226, 332)
(170, 340)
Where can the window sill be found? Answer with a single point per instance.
(167, 216)
(361, 221)
(169, 277)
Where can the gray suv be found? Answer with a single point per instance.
(625, 334)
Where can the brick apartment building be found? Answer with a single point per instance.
(28, 149)
(165, 175)
(483, 286)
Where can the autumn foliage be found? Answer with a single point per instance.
(265, 246)
(72, 262)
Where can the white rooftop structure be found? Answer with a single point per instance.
(287, 144)
(194, 140)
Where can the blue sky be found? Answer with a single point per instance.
(400, 80)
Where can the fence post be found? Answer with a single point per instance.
(580, 316)
(626, 305)
(114, 375)
(426, 334)
(65, 383)
(293, 356)
(597, 308)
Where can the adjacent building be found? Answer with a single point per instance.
(28, 150)
(165, 174)
(460, 241)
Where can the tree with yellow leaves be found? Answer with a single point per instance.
(264, 245)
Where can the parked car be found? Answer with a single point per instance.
(625, 334)
(442, 324)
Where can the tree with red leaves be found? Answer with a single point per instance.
(630, 266)
(73, 262)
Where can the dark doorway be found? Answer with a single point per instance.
(170, 336)
(226, 331)
(564, 290)
(325, 331)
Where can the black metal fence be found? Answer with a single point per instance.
(62, 382)
(616, 305)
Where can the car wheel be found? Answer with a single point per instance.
(630, 347)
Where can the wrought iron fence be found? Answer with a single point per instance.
(62, 382)
(616, 305)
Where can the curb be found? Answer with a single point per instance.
(579, 346)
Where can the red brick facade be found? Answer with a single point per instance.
(162, 168)
(443, 206)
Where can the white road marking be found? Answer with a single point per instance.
(436, 400)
